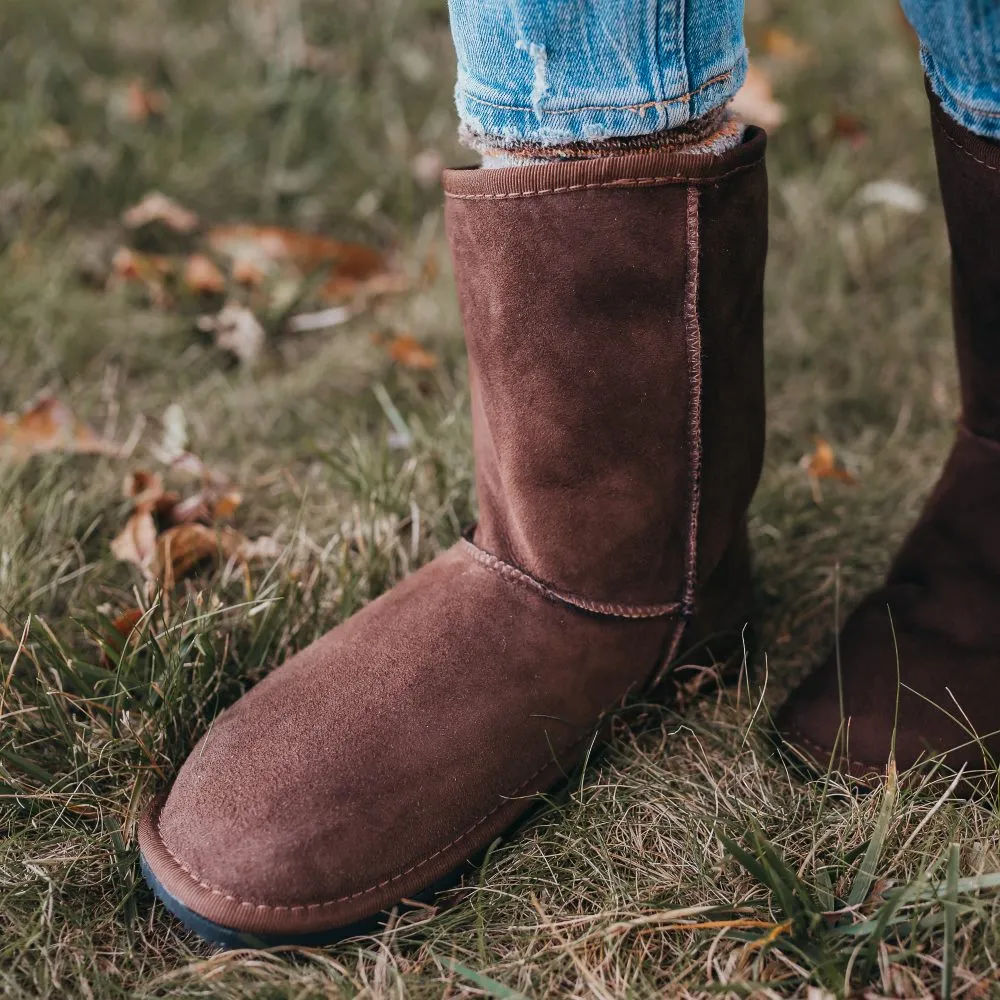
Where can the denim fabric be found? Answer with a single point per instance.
(551, 72)
(960, 50)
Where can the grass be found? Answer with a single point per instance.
(686, 861)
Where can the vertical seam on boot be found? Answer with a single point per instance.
(692, 342)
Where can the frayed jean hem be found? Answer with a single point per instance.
(595, 122)
(974, 106)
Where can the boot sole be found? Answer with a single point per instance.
(230, 939)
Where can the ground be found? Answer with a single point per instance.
(668, 866)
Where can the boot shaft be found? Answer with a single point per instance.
(613, 314)
(969, 175)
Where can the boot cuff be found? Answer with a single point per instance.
(652, 169)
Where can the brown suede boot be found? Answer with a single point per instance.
(942, 594)
(613, 317)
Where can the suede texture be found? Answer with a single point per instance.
(608, 393)
(401, 744)
(939, 605)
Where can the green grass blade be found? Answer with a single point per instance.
(865, 879)
(491, 986)
(950, 913)
(28, 767)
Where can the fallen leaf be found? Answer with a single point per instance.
(258, 252)
(126, 622)
(143, 487)
(157, 207)
(784, 47)
(406, 350)
(141, 103)
(236, 330)
(202, 276)
(148, 269)
(174, 441)
(50, 426)
(246, 272)
(126, 630)
(189, 510)
(181, 549)
(851, 129)
(136, 542)
(206, 506)
(823, 464)
(754, 101)
(226, 505)
(893, 194)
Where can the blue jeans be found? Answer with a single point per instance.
(552, 72)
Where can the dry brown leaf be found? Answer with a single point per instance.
(246, 272)
(136, 542)
(147, 269)
(126, 630)
(236, 330)
(50, 426)
(823, 464)
(755, 103)
(141, 103)
(202, 276)
(147, 490)
(157, 207)
(129, 263)
(143, 486)
(189, 510)
(258, 252)
(850, 128)
(226, 505)
(785, 48)
(182, 548)
(406, 350)
(127, 621)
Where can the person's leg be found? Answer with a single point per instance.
(931, 634)
(960, 51)
(613, 311)
(578, 78)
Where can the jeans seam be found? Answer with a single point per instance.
(645, 105)
(972, 107)
(682, 13)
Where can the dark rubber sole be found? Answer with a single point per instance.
(228, 938)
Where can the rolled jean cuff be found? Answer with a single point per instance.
(976, 106)
(644, 115)
(554, 72)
